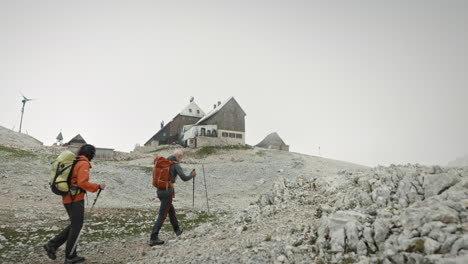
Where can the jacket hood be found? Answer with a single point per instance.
(172, 158)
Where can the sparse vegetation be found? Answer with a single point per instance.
(163, 148)
(145, 169)
(312, 240)
(416, 247)
(210, 150)
(348, 260)
(298, 164)
(189, 224)
(17, 153)
(297, 243)
(105, 225)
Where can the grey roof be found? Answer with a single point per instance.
(272, 139)
(218, 107)
(59, 137)
(77, 139)
(158, 133)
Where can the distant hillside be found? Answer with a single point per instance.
(459, 162)
(11, 138)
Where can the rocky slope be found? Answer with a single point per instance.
(397, 214)
(266, 206)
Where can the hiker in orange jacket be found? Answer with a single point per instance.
(74, 204)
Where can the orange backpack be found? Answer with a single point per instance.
(161, 173)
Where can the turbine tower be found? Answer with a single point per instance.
(25, 100)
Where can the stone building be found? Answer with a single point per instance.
(101, 153)
(273, 141)
(223, 125)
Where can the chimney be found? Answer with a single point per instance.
(162, 124)
(214, 106)
(219, 103)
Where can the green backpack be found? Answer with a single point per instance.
(61, 172)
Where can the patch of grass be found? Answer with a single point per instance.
(297, 243)
(268, 238)
(244, 228)
(189, 224)
(161, 149)
(312, 240)
(416, 247)
(101, 226)
(210, 150)
(205, 151)
(145, 169)
(261, 153)
(17, 153)
(297, 164)
(348, 260)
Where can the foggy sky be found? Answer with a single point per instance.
(370, 82)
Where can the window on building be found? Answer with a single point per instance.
(224, 134)
(231, 135)
(208, 133)
(191, 141)
(203, 132)
(198, 111)
(190, 110)
(238, 135)
(214, 134)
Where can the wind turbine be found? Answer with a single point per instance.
(25, 100)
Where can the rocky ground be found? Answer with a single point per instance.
(266, 206)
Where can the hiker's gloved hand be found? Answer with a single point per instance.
(193, 174)
(102, 186)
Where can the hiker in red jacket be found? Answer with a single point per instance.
(165, 195)
(74, 204)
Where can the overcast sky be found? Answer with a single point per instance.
(370, 82)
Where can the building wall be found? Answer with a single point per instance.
(216, 141)
(153, 143)
(234, 137)
(284, 148)
(230, 117)
(189, 137)
(179, 122)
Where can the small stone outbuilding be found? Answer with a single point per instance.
(273, 141)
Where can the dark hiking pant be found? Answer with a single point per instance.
(165, 196)
(71, 233)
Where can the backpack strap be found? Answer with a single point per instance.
(75, 161)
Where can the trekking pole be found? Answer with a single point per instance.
(206, 190)
(95, 199)
(193, 192)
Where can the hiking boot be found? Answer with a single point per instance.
(50, 251)
(155, 241)
(179, 231)
(75, 259)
